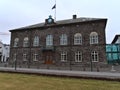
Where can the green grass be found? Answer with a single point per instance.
(33, 82)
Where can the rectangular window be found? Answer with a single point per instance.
(35, 57)
(93, 38)
(63, 39)
(114, 48)
(115, 56)
(64, 56)
(77, 39)
(36, 41)
(108, 48)
(94, 56)
(49, 40)
(78, 56)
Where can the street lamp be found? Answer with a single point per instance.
(15, 62)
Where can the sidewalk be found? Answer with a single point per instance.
(65, 73)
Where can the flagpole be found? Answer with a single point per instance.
(55, 11)
(54, 7)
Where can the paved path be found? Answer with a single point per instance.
(65, 73)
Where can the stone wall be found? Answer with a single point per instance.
(84, 28)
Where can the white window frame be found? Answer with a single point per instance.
(49, 40)
(78, 56)
(36, 41)
(93, 38)
(26, 42)
(94, 56)
(35, 57)
(16, 41)
(63, 39)
(77, 39)
(63, 56)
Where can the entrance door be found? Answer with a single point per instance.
(48, 57)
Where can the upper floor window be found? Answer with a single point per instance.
(16, 41)
(26, 42)
(49, 40)
(77, 39)
(63, 39)
(114, 48)
(78, 56)
(94, 56)
(108, 48)
(63, 56)
(93, 38)
(36, 41)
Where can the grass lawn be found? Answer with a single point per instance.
(34, 82)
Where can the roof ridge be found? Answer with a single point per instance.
(60, 22)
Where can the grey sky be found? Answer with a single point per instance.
(19, 13)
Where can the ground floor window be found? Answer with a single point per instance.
(63, 56)
(35, 57)
(94, 56)
(78, 56)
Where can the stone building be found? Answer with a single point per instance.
(71, 44)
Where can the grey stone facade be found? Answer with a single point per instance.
(53, 53)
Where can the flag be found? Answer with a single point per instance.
(54, 6)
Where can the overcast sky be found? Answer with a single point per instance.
(19, 13)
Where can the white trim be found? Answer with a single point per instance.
(79, 55)
(94, 56)
(77, 39)
(93, 38)
(49, 40)
(35, 57)
(26, 42)
(16, 41)
(63, 56)
(63, 39)
(36, 41)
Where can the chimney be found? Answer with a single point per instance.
(74, 16)
(46, 21)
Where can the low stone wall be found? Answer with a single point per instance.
(86, 67)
